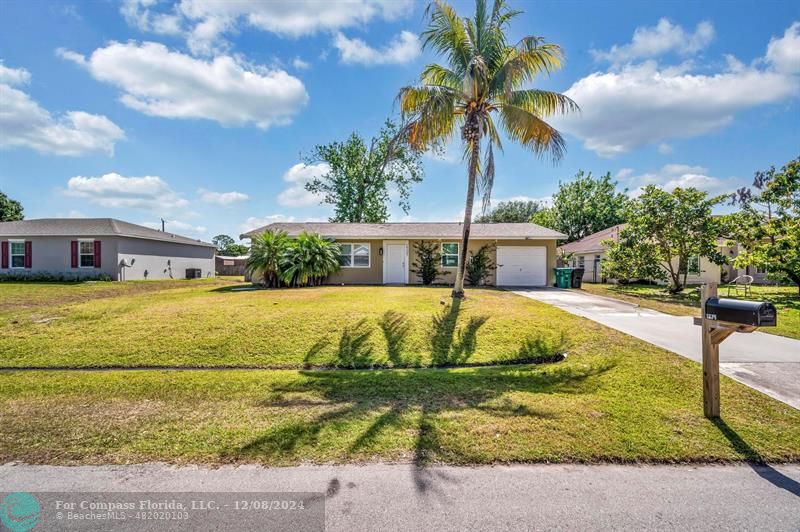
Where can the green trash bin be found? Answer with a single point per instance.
(563, 277)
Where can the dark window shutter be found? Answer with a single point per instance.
(97, 253)
(28, 254)
(74, 247)
(4, 247)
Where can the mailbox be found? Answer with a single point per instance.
(755, 313)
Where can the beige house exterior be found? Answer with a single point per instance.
(374, 254)
(589, 253)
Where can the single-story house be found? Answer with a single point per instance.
(588, 253)
(94, 247)
(227, 265)
(525, 253)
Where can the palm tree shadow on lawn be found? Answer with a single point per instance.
(422, 398)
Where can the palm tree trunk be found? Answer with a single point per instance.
(458, 287)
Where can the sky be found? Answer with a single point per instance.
(201, 112)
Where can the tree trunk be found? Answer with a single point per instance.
(458, 287)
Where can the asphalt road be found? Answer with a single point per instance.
(766, 362)
(530, 497)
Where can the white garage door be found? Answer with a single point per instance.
(521, 266)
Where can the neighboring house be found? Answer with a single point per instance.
(91, 247)
(588, 253)
(231, 265)
(384, 253)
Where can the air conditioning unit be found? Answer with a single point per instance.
(194, 273)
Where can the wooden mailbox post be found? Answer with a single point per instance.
(715, 331)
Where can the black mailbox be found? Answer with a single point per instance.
(756, 313)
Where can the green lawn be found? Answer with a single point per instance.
(614, 398)
(210, 325)
(687, 303)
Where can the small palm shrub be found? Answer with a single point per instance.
(480, 265)
(308, 260)
(428, 260)
(268, 249)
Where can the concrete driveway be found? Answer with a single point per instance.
(766, 362)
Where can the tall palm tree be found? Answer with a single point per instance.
(485, 77)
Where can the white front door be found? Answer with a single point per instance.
(521, 266)
(396, 269)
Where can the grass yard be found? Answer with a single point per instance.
(210, 325)
(613, 399)
(687, 303)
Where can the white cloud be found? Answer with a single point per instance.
(664, 148)
(299, 64)
(25, 123)
(160, 82)
(672, 176)
(403, 48)
(645, 103)
(138, 14)
(177, 227)
(113, 190)
(658, 40)
(784, 53)
(297, 176)
(204, 23)
(221, 198)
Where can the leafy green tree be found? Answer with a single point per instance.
(584, 206)
(426, 265)
(10, 210)
(514, 211)
(268, 249)
(308, 260)
(663, 231)
(485, 78)
(361, 177)
(228, 246)
(480, 265)
(768, 226)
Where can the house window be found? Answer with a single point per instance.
(581, 262)
(692, 264)
(17, 248)
(354, 255)
(86, 253)
(761, 271)
(450, 255)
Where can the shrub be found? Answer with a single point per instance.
(480, 265)
(52, 277)
(426, 265)
(268, 249)
(308, 260)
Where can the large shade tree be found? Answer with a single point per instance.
(485, 78)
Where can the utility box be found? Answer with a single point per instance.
(194, 273)
(754, 313)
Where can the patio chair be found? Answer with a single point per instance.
(741, 285)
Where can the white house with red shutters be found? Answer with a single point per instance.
(99, 247)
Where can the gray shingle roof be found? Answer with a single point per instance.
(90, 227)
(594, 242)
(433, 230)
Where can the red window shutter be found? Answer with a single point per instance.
(97, 253)
(4, 259)
(74, 247)
(28, 254)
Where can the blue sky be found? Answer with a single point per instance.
(199, 111)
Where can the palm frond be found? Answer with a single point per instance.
(429, 114)
(447, 35)
(532, 132)
(524, 62)
(542, 103)
(435, 74)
